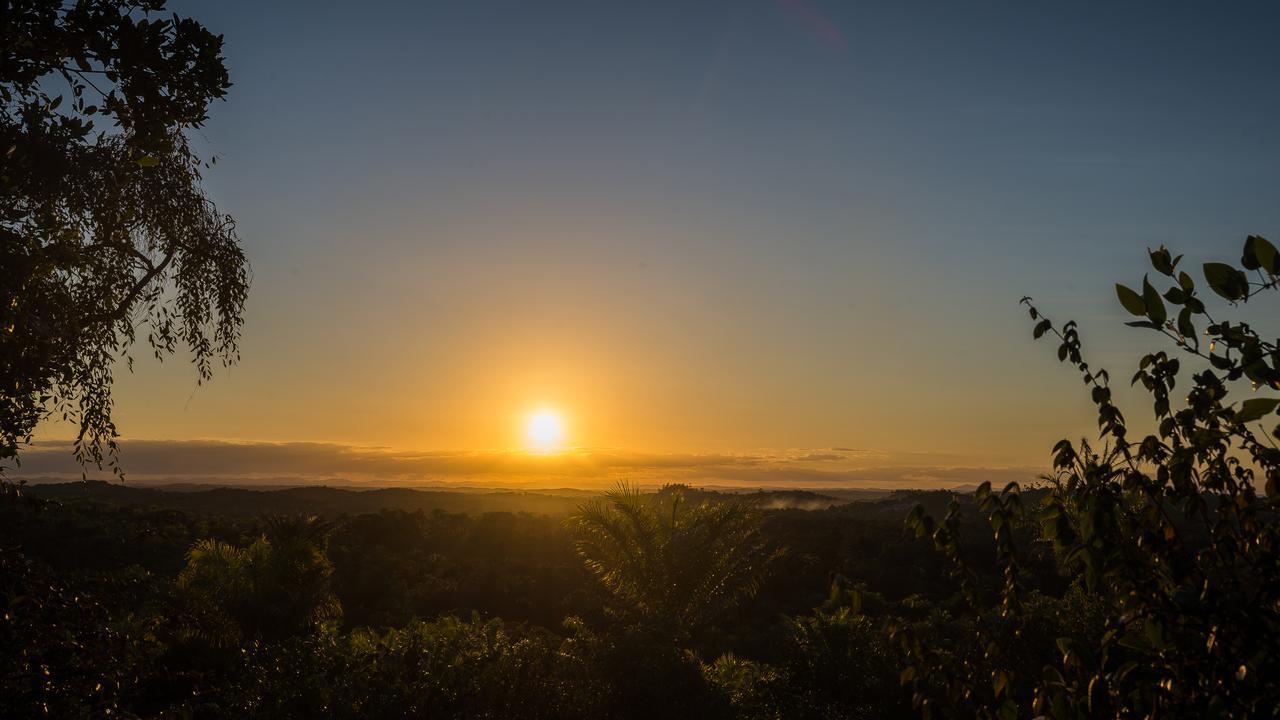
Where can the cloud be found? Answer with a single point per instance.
(151, 461)
(819, 457)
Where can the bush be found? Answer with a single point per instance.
(1174, 551)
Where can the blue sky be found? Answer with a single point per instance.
(710, 226)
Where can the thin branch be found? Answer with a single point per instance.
(123, 307)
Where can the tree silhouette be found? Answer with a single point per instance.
(669, 565)
(1168, 534)
(105, 231)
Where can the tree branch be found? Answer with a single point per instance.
(152, 273)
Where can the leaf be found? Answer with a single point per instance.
(1259, 372)
(1155, 306)
(1256, 409)
(999, 682)
(1041, 328)
(1185, 326)
(1259, 253)
(1226, 281)
(1248, 259)
(1131, 300)
(147, 161)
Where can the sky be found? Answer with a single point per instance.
(758, 230)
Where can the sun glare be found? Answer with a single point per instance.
(544, 431)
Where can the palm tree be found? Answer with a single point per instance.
(213, 586)
(668, 563)
(276, 587)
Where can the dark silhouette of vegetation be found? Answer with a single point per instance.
(1173, 552)
(105, 232)
(484, 615)
(670, 566)
(277, 587)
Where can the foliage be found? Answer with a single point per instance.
(845, 664)
(105, 231)
(69, 651)
(449, 668)
(835, 662)
(669, 566)
(391, 567)
(1177, 551)
(74, 645)
(277, 587)
(753, 689)
(407, 574)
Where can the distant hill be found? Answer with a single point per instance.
(317, 499)
(330, 501)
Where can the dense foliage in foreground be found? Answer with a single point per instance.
(164, 613)
(158, 613)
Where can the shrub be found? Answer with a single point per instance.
(1176, 552)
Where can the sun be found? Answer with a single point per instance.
(544, 431)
